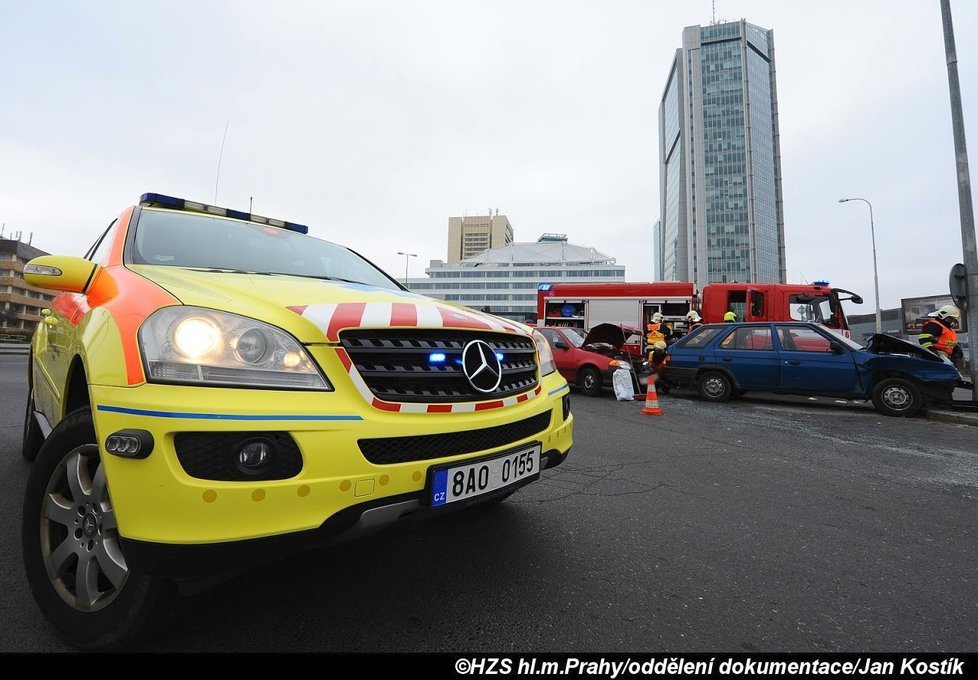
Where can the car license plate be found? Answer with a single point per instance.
(466, 481)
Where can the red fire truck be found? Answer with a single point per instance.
(585, 305)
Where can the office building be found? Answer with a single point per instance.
(504, 280)
(720, 160)
(20, 304)
(469, 236)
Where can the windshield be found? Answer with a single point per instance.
(574, 336)
(822, 309)
(182, 239)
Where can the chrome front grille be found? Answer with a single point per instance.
(406, 365)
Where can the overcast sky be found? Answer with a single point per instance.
(374, 122)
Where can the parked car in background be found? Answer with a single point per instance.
(588, 360)
(726, 360)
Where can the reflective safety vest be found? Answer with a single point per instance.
(948, 339)
(654, 334)
(944, 342)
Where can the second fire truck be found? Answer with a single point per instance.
(585, 305)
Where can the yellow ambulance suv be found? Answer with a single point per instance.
(213, 388)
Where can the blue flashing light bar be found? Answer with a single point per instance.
(436, 358)
(823, 284)
(545, 286)
(192, 206)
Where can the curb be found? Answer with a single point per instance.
(953, 417)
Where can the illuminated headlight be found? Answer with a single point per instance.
(202, 346)
(545, 355)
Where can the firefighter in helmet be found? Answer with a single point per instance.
(938, 333)
(657, 361)
(655, 330)
(694, 320)
(730, 317)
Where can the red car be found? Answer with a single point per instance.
(588, 361)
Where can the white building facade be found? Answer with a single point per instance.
(504, 281)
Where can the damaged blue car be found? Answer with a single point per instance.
(726, 360)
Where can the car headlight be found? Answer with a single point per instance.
(191, 345)
(545, 354)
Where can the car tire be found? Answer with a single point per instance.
(589, 380)
(714, 386)
(897, 397)
(33, 437)
(73, 556)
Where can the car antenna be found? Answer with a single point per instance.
(219, 157)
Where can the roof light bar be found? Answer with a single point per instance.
(163, 201)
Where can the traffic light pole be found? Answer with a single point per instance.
(964, 193)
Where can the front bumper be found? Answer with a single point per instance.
(157, 502)
(676, 375)
(190, 561)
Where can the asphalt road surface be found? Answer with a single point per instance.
(757, 525)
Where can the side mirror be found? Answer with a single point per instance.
(561, 345)
(835, 347)
(60, 272)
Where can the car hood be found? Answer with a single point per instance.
(314, 310)
(609, 333)
(887, 344)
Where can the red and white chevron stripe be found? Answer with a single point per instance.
(335, 317)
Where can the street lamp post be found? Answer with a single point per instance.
(876, 278)
(407, 258)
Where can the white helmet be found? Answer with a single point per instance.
(948, 311)
(657, 317)
(693, 317)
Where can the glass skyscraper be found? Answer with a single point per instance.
(721, 215)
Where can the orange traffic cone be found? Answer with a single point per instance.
(651, 407)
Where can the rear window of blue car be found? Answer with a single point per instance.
(700, 338)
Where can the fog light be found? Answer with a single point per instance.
(254, 456)
(130, 443)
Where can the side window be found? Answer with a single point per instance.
(757, 304)
(100, 249)
(748, 338)
(801, 339)
(799, 312)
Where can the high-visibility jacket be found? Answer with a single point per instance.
(654, 334)
(936, 336)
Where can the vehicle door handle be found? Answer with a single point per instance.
(728, 358)
(794, 362)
